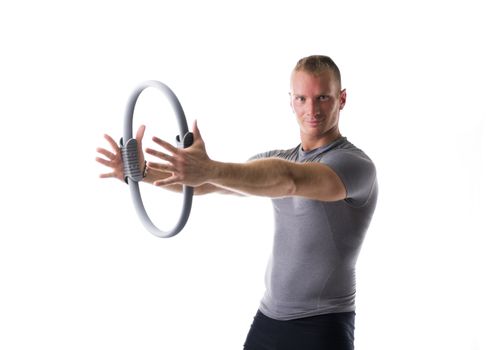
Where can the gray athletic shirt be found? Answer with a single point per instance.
(316, 244)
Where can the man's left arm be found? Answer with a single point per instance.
(269, 177)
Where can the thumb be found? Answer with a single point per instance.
(140, 133)
(196, 131)
(139, 136)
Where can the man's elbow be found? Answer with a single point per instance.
(292, 183)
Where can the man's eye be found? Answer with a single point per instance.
(323, 98)
(300, 98)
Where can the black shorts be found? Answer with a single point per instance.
(324, 332)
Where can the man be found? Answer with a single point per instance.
(324, 192)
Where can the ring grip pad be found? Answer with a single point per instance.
(130, 158)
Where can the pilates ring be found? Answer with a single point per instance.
(131, 163)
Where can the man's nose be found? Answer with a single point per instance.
(313, 108)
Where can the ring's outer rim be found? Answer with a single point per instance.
(134, 185)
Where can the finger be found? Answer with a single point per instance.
(106, 153)
(113, 143)
(107, 175)
(140, 133)
(160, 155)
(165, 144)
(161, 167)
(104, 162)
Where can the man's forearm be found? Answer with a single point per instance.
(264, 177)
(153, 175)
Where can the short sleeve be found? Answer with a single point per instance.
(356, 171)
(269, 154)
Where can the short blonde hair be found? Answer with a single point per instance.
(317, 64)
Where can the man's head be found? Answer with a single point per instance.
(318, 64)
(316, 99)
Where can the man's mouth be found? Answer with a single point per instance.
(313, 122)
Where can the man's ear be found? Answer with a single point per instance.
(342, 99)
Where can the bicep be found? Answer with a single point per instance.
(317, 181)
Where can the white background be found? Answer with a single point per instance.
(77, 269)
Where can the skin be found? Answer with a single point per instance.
(114, 159)
(316, 101)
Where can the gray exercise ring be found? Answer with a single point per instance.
(131, 167)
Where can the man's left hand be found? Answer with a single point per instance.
(187, 166)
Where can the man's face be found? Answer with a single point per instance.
(316, 100)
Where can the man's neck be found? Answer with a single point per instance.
(311, 143)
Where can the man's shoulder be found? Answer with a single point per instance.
(346, 149)
(288, 154)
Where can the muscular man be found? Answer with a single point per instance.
(324, 192)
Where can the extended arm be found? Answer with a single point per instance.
(271, 177)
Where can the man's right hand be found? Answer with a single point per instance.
(114, 157)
